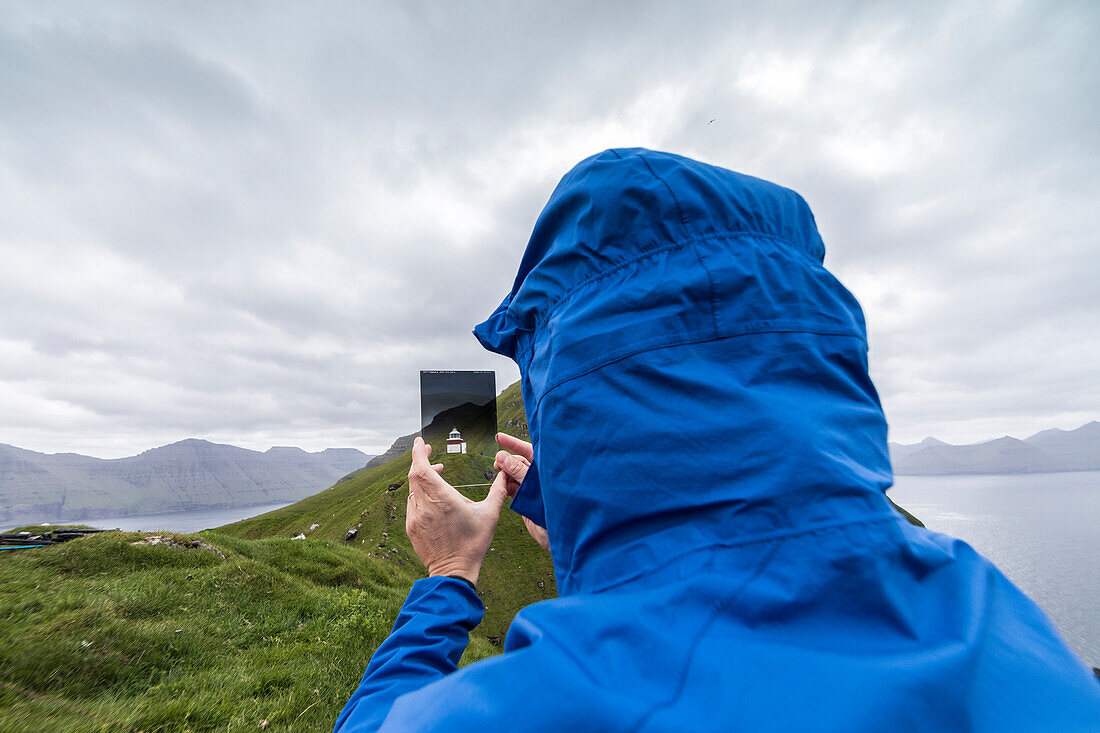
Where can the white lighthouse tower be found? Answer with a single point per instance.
(455, 443)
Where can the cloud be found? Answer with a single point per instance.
(257, 225)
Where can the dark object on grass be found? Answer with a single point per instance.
(51, 537)
(351, 534)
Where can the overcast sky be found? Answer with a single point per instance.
(255, 223)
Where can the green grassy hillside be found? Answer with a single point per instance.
(102, 634)
(516, 571)
(249, 626)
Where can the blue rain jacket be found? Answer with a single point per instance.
(711, 466)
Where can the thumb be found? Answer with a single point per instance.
(513, 465)
(424, 478)
(494, 502)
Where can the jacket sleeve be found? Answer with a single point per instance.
(430, 634)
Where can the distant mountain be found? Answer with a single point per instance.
(1047, 451)
(1078, 450)
(190, 474)
(899, 451)
(401, 445)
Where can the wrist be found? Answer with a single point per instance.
(464, 581)
(456, 570)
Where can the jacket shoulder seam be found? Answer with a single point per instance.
(746, 329)
(716, 609)
(646, 253)
(777, 536)
(679, 209)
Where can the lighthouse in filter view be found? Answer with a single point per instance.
(455, 443)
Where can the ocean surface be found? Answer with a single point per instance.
(1041, 530)
(178, 521)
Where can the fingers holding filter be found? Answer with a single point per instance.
(515, 445)
(513, 467)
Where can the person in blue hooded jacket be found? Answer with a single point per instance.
(708, 465)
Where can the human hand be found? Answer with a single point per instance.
(514, 467)
(449, 533)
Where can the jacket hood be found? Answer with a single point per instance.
(694, 378)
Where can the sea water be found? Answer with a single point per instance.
(183, 522)
(1041, 530)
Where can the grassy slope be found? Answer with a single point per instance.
(277, 630)
(909, 517)
(161, 638)
(513, 568)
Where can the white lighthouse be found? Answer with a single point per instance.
(455, 443)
